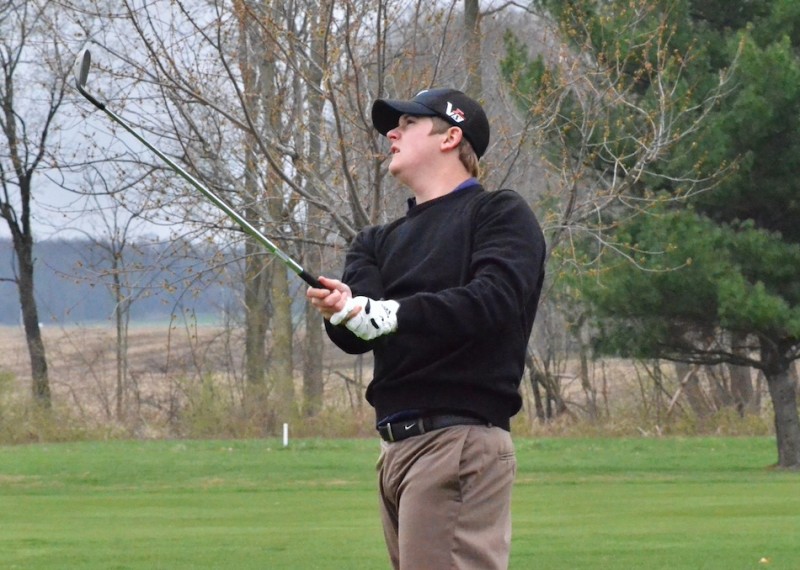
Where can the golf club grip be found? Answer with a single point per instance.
(311, 280)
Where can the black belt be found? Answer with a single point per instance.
(396, 431)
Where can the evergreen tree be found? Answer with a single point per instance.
(705, 276)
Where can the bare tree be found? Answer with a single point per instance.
(268, 102)
(603, 157)
(110, 256)
(32, 60)
(274, 98)
(313, 387)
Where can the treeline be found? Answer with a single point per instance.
(75, 282)
(656, 141)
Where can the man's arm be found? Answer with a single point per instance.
(351, 321)
(506, 268)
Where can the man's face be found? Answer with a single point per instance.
(412, 146)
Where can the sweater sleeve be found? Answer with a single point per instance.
(506, 268)
(363, 277)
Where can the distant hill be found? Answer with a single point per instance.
(73, 282)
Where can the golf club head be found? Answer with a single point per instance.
(81, 76)
(82, 72)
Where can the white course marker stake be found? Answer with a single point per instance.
(285, 435)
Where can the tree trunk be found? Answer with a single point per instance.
(313, 349)
(554, 404)
(586, 383)
(257, 316)
(783, 392)
(687, 376)
(121, 319)
(313, 385)
(472, 48)
(256, 66)
(280, 373)
(787, 429)
(742, 389)
(741, 381)
(588, 388)
(533, 375)
(314, 333)
(30, 319)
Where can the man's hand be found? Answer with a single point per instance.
(331, 300)
(364, 317)
(376, 318)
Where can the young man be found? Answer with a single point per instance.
(445, 297)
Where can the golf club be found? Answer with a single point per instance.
(80, 83)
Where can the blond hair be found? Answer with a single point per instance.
(465, 151)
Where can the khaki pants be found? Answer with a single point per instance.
(446, 499)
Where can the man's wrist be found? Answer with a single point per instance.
(376, 318)
(340, 316)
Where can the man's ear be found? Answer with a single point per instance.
(452, 139)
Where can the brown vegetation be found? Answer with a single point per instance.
(182, 382)
(188, 381)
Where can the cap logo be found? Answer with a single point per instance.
(456, 114)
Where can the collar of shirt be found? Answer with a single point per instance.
(466, 184)
(471, 181)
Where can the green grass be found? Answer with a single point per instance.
(701, 503)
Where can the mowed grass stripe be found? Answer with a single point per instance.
(668, 503)
(578, 504)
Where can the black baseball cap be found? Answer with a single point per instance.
(450, 104)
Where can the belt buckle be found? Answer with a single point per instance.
(386, 432)
(396, 431)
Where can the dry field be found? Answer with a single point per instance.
(170, 368)
(73, 350)
(166, 367)
(85, 355)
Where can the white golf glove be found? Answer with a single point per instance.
(375, 319)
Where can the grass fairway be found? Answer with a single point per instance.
(702, 503)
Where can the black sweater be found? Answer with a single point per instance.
(467, 269)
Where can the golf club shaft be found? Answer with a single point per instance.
(221, 204)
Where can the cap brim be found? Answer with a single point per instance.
(386, 113)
